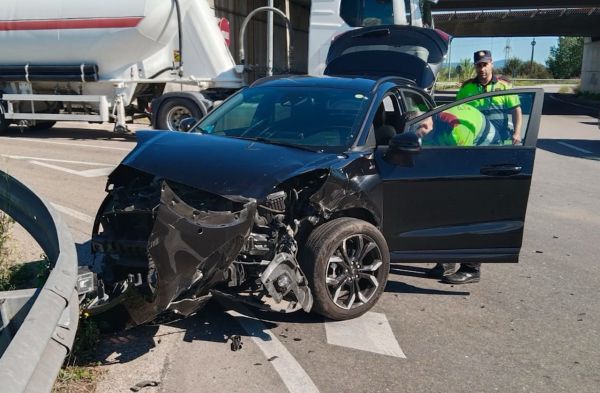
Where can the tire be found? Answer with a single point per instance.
(4, 124)
(325, 266)
(42, 125)
(173, 110)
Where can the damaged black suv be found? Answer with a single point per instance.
(297, 192)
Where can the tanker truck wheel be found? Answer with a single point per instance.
(41, 125)
(173, 111)
(4, 124)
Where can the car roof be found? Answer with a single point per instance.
(361, 83)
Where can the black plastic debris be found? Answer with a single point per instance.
(143, 384)
(236, 343)
(272, 358)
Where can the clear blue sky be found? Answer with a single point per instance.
(521, 47)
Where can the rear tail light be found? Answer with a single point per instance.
(445, 36)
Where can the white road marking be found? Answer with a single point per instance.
(575, 148)
(292, 374)
(87, 173)
(14, 157)
(371, 332)
(69, 144)
(73, 213)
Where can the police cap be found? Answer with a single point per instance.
(482, 56)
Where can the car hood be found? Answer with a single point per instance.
(411, 52)
(222, 165)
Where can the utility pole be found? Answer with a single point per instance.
(532, 50)
(449, 59)
(270, 3)
(507, 50)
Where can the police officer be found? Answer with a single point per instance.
(461, 125)
(496, 109)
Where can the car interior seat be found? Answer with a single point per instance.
(383, 132)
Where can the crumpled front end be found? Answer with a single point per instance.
(160, 246)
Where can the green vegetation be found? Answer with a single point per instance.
(514, 69)
(5, 271)
(566, 58)
(565, 90)
(23, 275)
(88, 336)
(463, 71)
(79, 373)
(76, 379)
(517, 68)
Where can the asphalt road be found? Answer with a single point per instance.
(530, 327)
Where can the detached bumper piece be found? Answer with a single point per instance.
(188, 252)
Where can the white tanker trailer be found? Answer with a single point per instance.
(104, 60)
(109, 60)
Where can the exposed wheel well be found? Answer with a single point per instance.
(360, 213)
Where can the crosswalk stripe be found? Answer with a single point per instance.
(370, 332)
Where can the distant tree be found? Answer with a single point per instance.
(534, 71)
(512, 67)
(565, 59)
(465, 70)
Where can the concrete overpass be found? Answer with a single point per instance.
(514, 18)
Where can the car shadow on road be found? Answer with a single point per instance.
(588, 149)
(75, 134)
(125, 346)
(222, 319)
(420, 272)
(214, 323)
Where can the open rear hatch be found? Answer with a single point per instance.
(410, 52)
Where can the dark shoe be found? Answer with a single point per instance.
(441, 269)
(462, 277)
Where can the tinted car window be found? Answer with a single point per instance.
(415, 101)
(312, 117)
(367, 12)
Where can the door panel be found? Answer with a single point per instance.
(447, 202)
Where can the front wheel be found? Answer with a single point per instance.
(173, 111)
(347, 263)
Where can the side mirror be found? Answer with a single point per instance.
(187, 124)
(406, 143)
(402, 147)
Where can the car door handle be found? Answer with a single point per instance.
(501, 170)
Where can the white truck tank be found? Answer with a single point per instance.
(125, 38)
(100, 60)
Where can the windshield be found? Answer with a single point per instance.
(315, 118)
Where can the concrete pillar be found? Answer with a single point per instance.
(590, 67)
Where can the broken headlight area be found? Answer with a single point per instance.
(161, 247)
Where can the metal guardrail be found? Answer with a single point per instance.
(38, 325)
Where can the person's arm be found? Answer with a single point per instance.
(517, 118)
